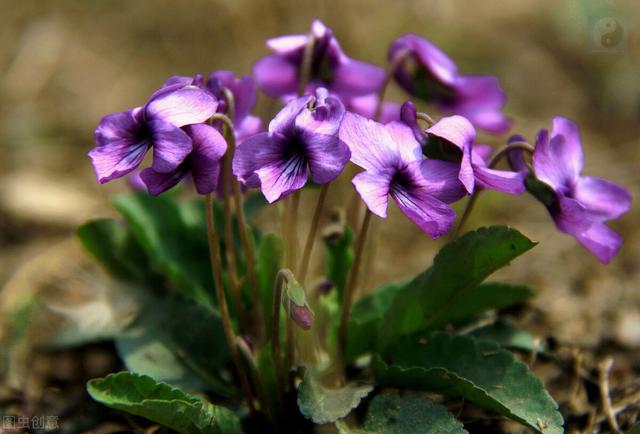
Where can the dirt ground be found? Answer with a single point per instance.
(65, 63)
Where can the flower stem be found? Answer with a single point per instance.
(347, 297)
(395, 62)
(305, 67)
(425, 118)
(247, 243)
(291, 229)
(311, 236)
(227, 182)
(258, 385)
(499, 155)
(216, 269)
(276, 354)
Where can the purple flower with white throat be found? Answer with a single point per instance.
(579, 205)
(423, 70)
(124, 138)
(452, 139)
(279, 74)
(303, 137)
(393, 163)
(203, 163)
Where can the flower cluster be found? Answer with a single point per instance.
(334, 113)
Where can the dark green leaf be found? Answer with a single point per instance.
(508, 335)
(269, 261)
(142, 396)
(474, 301)
(366, 316)
(323, 404)
(175, 240)
(112, 243)
(406, 414)
(478, 371)
(178, 341)
(457, 269)
(339, 257)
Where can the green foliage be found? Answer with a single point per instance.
(142, 396)
(406, 414)
(269, 260)
(339, 257)
(173, 239)
(178, 341)
(458, 269)
(508, 335)
(322, 404)
(366, 316)
(478, 371)
(114, 246)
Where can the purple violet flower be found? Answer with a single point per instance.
(428, 73)
(278, 75)
(393, 163)
(244, 92)
(124, 138)
(203, 163)
(579, 205)
(303, 134)
(452, 139)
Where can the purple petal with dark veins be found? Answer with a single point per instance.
(122, 143)
(245, 162)
(430, 214)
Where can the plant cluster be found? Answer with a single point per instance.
(229, 312)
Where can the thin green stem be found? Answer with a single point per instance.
(247, 243)
(276, 354)
(291, 230)
(216, 269)
(499, 155)
(395, 62)
(425, 118)
(349, 291)
(258, 385)
(311, 236)
(227, 181)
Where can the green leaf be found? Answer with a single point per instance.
(406, 414)
(457, 269)
(366, 317)
(142, 396)
(339, 257)
(174, 238)
(635, 430)
(474, 301)
(269, 261)
(180, 341)
(478, 371)
(323, 404)
(113, 245)
(508, 335)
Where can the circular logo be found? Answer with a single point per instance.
(608, 32)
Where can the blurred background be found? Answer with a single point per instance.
(66, 63)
